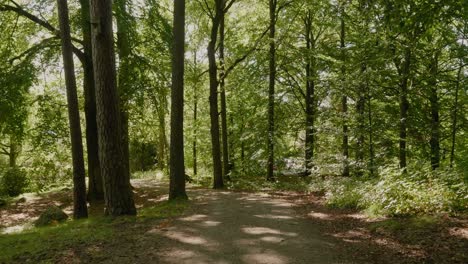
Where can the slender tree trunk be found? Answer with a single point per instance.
(177, 161)
(371, 131)
(344, 99)
(195, 132)
(404, 106)
(195, 126)
(80, 209)
(117, 192)
(224, 129)
(214, 114)
(95, 188)
(310, 95)
(455, 115)
(271, 92)
(435, 122)
(124, 85)
(360, 109)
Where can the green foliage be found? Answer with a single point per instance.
(13, 182)
(143, 155)
(398, 194)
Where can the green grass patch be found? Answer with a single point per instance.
(43, 243)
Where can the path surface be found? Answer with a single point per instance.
(231, 227)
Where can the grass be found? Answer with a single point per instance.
(42, 243)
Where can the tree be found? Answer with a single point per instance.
(79, 183)
(273, 6)
(177, 165)
(117, 192)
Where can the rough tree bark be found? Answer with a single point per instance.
(117, 191)
(124, 51)
(177, 166)
(80, 209)
(361, 126)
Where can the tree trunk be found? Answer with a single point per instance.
(455, 115)
(404, 106)
(177, 166)
(271, 92)
(361, 126)
(310, 95)
(124, 85)
(118, 195)
(95, 188)
(195, 126)
(371, 131)
(13, 153)
(435, 123)
(80, 209)
(214, 115)
(224, 132)
(344, 99)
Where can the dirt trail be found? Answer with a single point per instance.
(231, 227)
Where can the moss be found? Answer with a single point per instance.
(50, 216)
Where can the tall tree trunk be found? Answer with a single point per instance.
(371, 131)
(310, 95)
(404, 106)
(361, 126)
(344, 98)
(435, 123)
(224, 131)
(214, 115)
(271, 92)
(195, 119)
(177, 161)
(95, 188)
(124, 84)
(455, 116)
(117, 192)
(80, 209)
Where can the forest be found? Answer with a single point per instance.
(234, 131)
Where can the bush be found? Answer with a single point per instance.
(418, 192)
(13, 182)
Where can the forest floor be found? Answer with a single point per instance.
(227, 227)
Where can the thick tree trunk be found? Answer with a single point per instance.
(118, 194)
(95, 188)
(344, 99)
(224, 129)
(80, 209)
(124, 51)
(455, 116)
(310, 95)
(435, 122)
(404, 106)
(13, 153)
(214, 115)
(177, 162)
(271, 92)
(195, 132)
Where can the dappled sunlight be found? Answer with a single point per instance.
(272, 216)
(459, 232)
(321, 216)
(268, 257)
(272, 239)
(265, 231)
(192, 218)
